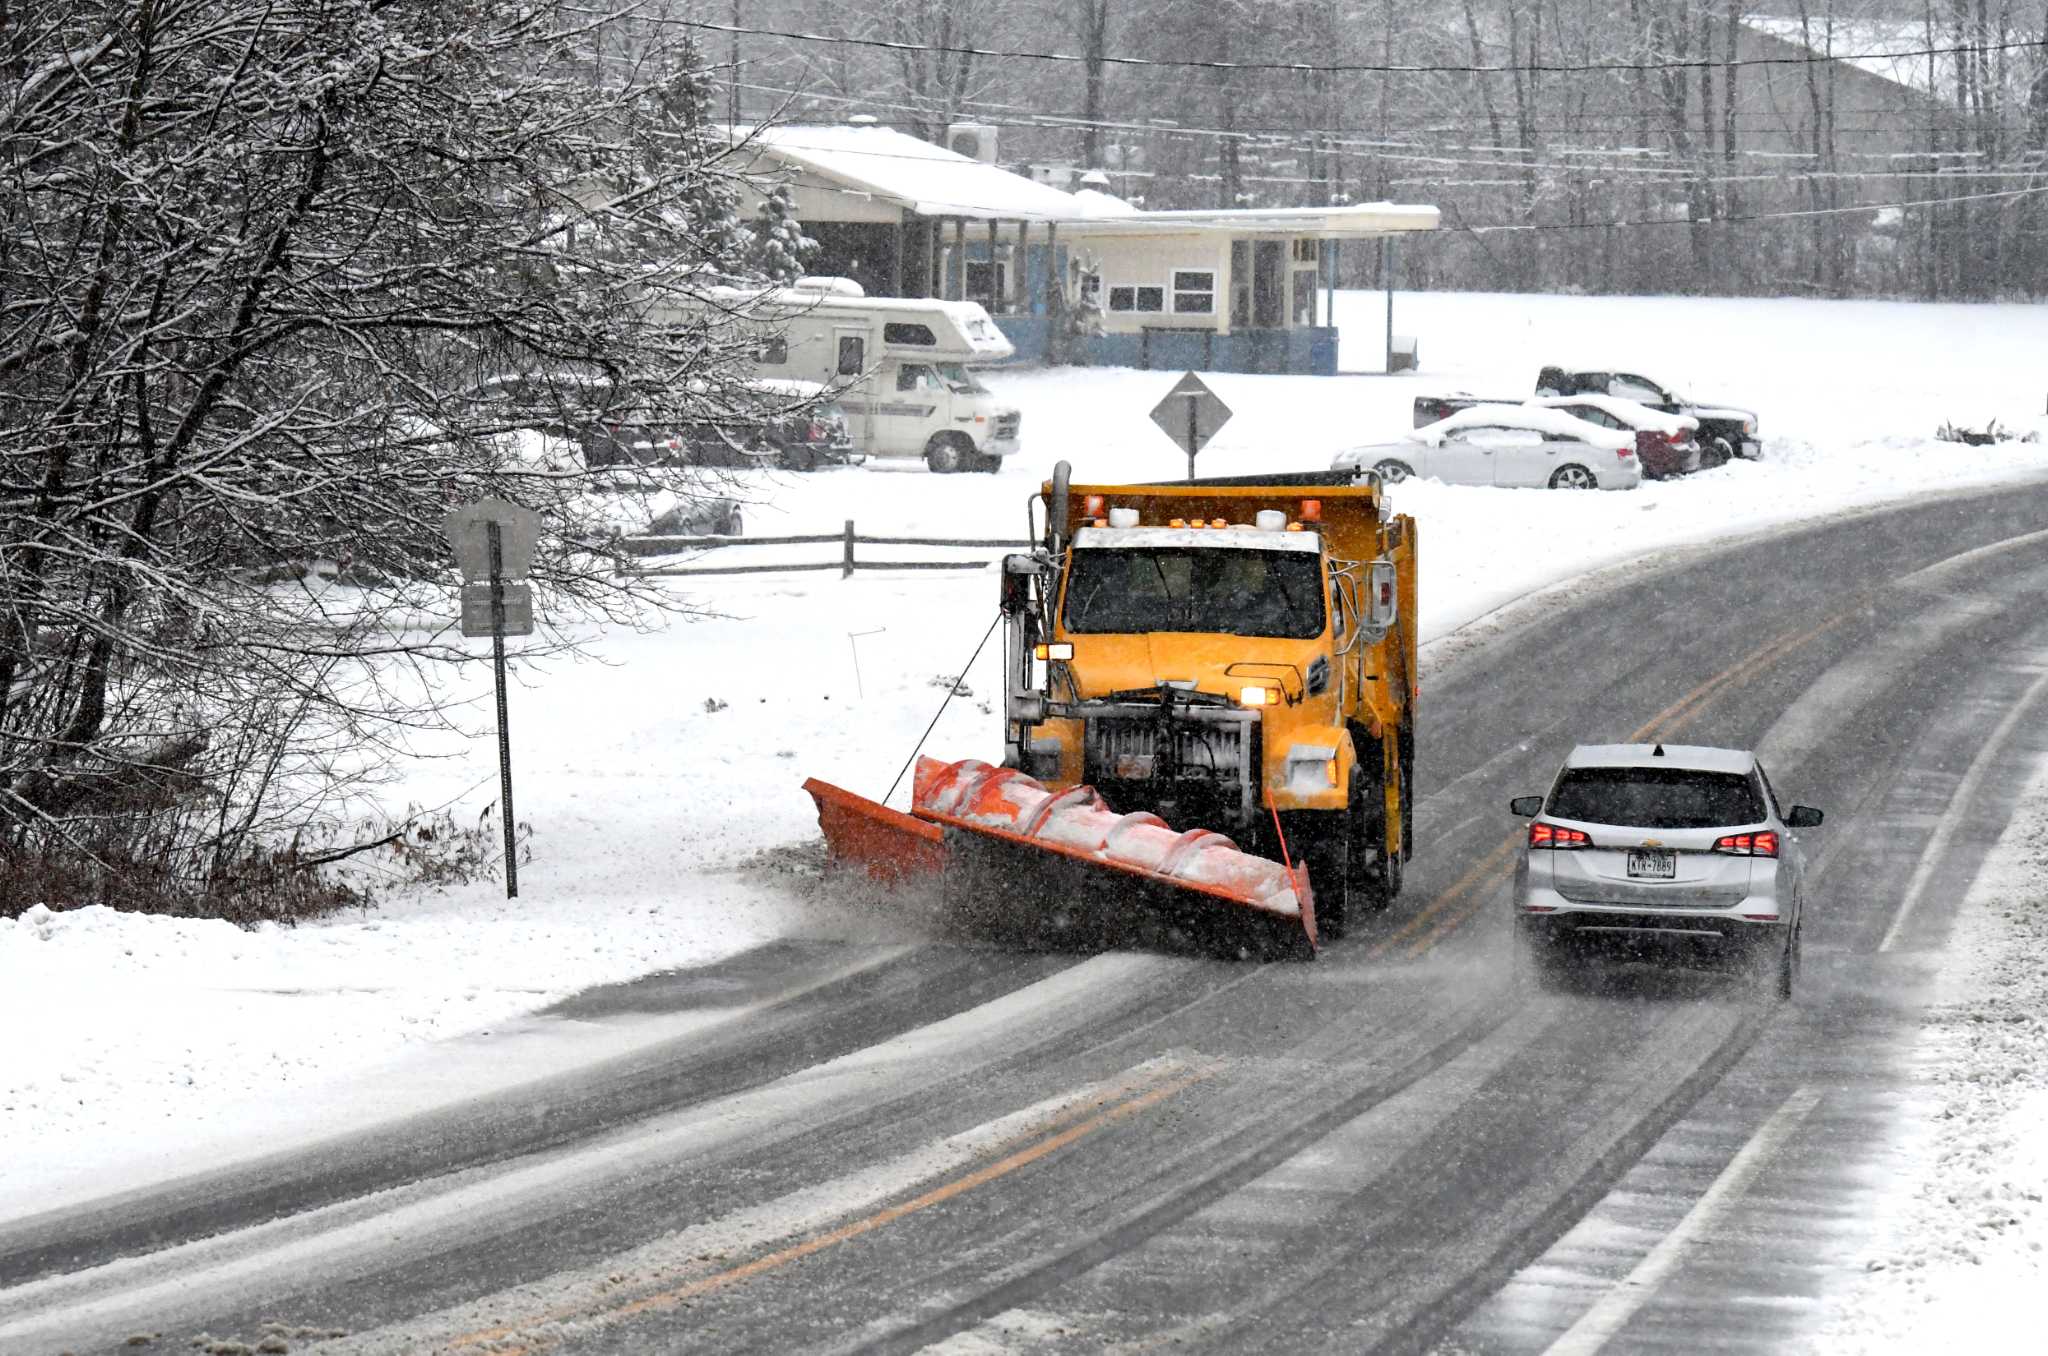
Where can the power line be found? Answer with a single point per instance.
(1676, 175)
(1366, 68)
(1502, 228)
(1347, 141)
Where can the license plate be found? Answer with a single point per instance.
(1652, 863)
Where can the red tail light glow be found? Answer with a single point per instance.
(1542, 835)
(1764, 844)
(1092, 506)
(1624, 452)
(1311, 510)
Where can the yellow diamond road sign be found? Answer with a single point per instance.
(1191, 414)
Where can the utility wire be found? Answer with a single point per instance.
(1365, 68)
(1354, 148)
(952, 690)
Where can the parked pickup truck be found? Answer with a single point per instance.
(1724, 430)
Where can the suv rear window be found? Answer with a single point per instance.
(1656, 798)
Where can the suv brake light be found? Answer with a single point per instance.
(1556, 836)
(1764, 844)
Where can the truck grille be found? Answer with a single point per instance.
(1006, 425)
(1212, 749)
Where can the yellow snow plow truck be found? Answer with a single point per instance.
(1209, 697)
(1238, 655)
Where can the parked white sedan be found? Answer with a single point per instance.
(1506, 445)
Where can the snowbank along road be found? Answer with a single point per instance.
(976, 1148)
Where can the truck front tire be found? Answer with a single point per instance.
(1320, 841)
(947, 453)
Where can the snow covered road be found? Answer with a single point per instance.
(269, 1024)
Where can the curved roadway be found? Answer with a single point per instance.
(972, 1148)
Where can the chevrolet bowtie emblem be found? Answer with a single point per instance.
(1652, 842)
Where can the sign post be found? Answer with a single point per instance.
(493, 542)
(1190, 414)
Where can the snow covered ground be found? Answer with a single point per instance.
(658, 781)
(1965, 1250)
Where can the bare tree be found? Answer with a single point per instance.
(260, 260)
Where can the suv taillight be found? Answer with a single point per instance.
(1764, 844)
(1556, 836)
(816, 433)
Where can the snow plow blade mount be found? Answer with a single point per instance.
(995, 828)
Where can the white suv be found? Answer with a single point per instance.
(1665, 845)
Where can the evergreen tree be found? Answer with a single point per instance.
(781, 251)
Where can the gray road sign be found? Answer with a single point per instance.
(476, 609)
(1191, 414)
(468, 530)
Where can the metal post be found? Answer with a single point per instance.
(846, 563)
(994, 291)
(1055, 297)
(504, 735)
(1193, 434)
(1387, 274)
(1020, 273)
(1330, 301)
(959, 288)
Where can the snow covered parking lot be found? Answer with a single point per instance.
(656, 782)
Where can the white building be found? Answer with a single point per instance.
(1079, 276)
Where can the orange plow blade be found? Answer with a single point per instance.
(888, 845)
(1011, 843)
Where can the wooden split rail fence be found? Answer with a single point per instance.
(846, 564)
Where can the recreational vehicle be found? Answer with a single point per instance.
(903, 368)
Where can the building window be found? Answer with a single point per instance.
(1144, 299)
(1304, 296)
(903, 332)
(1194, 291)
(978, 280)
(1306, 251)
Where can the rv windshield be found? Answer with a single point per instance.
(1238, 593)
(959, 380)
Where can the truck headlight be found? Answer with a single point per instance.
(1058, 649)
(1749, 426)
(1311, 768)
(1256, 694)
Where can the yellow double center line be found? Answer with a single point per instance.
(1457, 905)
(518, 1337)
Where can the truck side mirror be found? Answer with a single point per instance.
(1528, 807)
(1803, 817)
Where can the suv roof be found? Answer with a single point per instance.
(1697, 757)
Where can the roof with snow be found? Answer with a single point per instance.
(895, 167)
(932, 181)
(1329, 223)
(1533, 417)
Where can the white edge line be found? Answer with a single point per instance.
(1952, 817)
(1617, 1306)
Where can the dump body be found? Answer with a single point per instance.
(1255, 674)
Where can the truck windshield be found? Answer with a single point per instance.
(1237, 593)
(962, 381)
